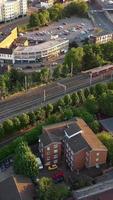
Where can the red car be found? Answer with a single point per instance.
(58, 175)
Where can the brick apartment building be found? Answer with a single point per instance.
(74, 141)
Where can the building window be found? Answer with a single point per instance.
(55, 146)
(48, 158)
(48, 153)
(48, 148)
(98, 154)
(55, 150)
(56, 156)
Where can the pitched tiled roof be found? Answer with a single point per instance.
(85, 139)
(72, 128)
(77, 143)
(89, 136)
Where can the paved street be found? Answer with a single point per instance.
(35, 97)
(102, 21)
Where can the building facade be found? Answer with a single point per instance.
(7, 36)
(75, 142)
(41, 52)
(12, 9)
(101, 38)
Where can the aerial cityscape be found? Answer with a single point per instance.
(56, 100)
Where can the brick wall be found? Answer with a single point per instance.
(79, 159)
(50, 151)
(97, 157)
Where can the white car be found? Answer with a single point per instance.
(39, 163)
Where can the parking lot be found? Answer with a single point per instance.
(69, 28)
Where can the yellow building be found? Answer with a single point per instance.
(7, 36)
(21, 41)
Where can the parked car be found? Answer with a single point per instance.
(58, 177)
(52, 167)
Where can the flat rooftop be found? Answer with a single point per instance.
(102, 33)
(107, 124)
(95, 190)
(98, 69)
(40, 47)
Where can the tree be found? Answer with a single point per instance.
(86, 92)
(8, 126)
(74, 59)
(49, 109)
(80, 93)
(16, 123)
(107, 139)
(106, 104)
(2, 86)
(92, 90)
(34, 20)
(32, 118)
(65, 70)
(67, 99)
(91, 58)
(68, 114)
(45, 75)
(42, 19)
(57, 71)
(49, 191)
(100, 88)
(84, 114)
(24, 161)
(75, 99)
(1, 131)
(56, 12)
(24, 120)
(91, 104)
(95, 126)
(107, 51)
(60, 103)
(40, 114)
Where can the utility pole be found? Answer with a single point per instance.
(44, 95)
(25, 82)
(90, 78)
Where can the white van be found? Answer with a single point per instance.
(39, 163)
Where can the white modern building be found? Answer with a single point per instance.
(34, 54)
(41, 52)
(11, 9)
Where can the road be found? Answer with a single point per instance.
(19, 21)
(100, 18)
(102, 21)
(35, 97)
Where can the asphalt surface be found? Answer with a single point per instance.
(35, 97)
(102, 21)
